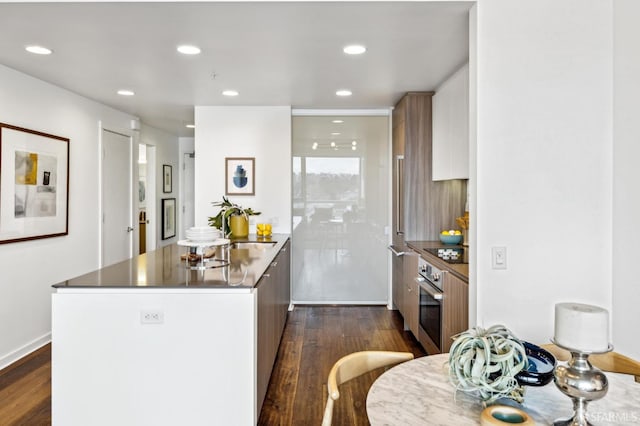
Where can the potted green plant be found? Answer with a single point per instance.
(232, 219)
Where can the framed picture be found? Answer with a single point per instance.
(168, 218)
(34, 184)
(240, 176)
(167, 174)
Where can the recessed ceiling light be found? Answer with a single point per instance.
(333, 144)
(353, 148)
(187, 49)
(335, 133)
(38, 50)
(230, 93)
(354, 49)
(354, 143)
(338, 121)
(125, 92)
(190, 126)
(343, 92)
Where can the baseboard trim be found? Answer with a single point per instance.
(339, 303)
(25, 350)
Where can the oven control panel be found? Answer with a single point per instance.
(430, 273)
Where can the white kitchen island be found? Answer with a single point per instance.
(148, 342)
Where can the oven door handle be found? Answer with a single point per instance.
(431, 291)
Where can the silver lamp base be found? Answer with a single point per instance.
(581, 382)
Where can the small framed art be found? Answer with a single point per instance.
(167, 179)
(168, 218)
(240, 176)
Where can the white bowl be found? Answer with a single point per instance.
(202, 234)
(200, 229)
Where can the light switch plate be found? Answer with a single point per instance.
(499, 257)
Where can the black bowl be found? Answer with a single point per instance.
(541, 366)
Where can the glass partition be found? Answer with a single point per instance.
(340, 209)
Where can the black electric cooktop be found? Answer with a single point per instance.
(450, 255)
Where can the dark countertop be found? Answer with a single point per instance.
(460, 270)
(163, 268)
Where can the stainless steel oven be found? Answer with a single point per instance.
(430, 282)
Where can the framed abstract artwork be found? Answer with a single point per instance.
(167, 178)
(168, 218)
(34, 184)
(240, 176)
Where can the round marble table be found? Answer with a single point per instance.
(418, 392)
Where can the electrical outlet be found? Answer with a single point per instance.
(499, 257)
(151, 317)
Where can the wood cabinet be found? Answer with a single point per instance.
(411, 130)
(421, 207)
(451, 127)
(455, 309)
(424, 207)
(411, 296)
(405, 292)
(273, 305)
(397, 215)
(414, 130)
(397, 281)
(398, 196)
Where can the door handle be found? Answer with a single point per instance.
(129, 229)
(395, 252)
(429, 290)
(399, 195)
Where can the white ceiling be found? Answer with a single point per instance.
(285, 53)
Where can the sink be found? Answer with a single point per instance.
(253, 245)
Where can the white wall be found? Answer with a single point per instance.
(472, 184)
(544, 159)
(260, 132)
(626, 178)
(30, 268)
(167, 152)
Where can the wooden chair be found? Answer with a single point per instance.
(354, 365)
(611, 361)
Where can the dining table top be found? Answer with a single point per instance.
(418, 392)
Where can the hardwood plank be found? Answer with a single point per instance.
(315, 337)
(25, 390)
(24, 365)
(276, 408)
(38, 415)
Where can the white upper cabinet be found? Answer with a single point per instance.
(451, 127)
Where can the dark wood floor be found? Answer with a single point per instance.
(25, 390)
(314, 338)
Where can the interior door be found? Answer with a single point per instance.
(188, 194)
(117, 224)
